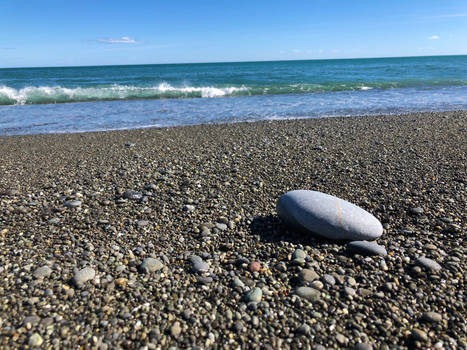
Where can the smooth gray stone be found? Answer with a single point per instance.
(72, 204)
(299, 254)
(133, 195)
(363, 346)
(151, 265)
(308, 293)
(329, 279)
(32, 320)
(195, 258)
(327, 216)
(307, 275)
(237, 282)
(366, 248)
(84, 275)
(428, 264)
(254, 295)
(432, 316)
(200, 267)
(42, 272)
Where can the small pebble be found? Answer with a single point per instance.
(254, 295)
(307, 275)
(428, 264)
(84, 275)
(418, 334)
(35, 340)
(200, 267)
(72, 204)
(255, 266)
(175, 330)
(329, 279)
(432, 316)
(151, 265)
(308, 293)
(42, 272)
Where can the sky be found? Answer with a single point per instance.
(37, 33)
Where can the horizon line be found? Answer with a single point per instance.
(221, 62)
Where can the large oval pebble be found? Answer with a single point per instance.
(328, 216)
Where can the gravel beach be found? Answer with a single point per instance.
(169, 238)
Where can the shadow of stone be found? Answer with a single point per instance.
(272, 230)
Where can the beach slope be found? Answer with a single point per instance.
(108, 201)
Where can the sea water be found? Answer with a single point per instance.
(73, 99)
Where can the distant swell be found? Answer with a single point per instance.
(58, 94)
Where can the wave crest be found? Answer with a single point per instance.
(58, 94)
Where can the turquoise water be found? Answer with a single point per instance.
(67, 99)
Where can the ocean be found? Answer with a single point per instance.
(77, 99)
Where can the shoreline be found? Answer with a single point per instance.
(210, 190)
(155, 127)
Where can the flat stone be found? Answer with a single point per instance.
(205, 280)
(418, 334)
(254, 295)
(84, 275)
(237, 282)
(432, 316)
(200, 267)
(366, 248)
(328, 216)
(151, 265)
(195, 258)
(329, 279)
(31, 320)
(307, 275)
(72, 204)
(349, 291)
(221, 226)
(133, 195)
(363, 346)
(42, 272)
(428, 264)
(308, 293)
(142, 223)
(417, 211)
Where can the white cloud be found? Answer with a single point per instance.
(434, 37)
(122, 40)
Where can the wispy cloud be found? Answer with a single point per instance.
(7, 48)
(451, 15)
(122, 40)
(434, 37)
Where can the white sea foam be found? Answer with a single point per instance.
(58, 94)
(365, 88)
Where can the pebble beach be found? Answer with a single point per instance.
(169, 238)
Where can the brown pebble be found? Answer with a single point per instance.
(255, 266)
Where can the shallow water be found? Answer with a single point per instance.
(71, 99)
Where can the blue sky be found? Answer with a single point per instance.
(63, 33)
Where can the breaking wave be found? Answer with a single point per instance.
(58, 94)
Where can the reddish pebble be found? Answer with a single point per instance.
(255, 266)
